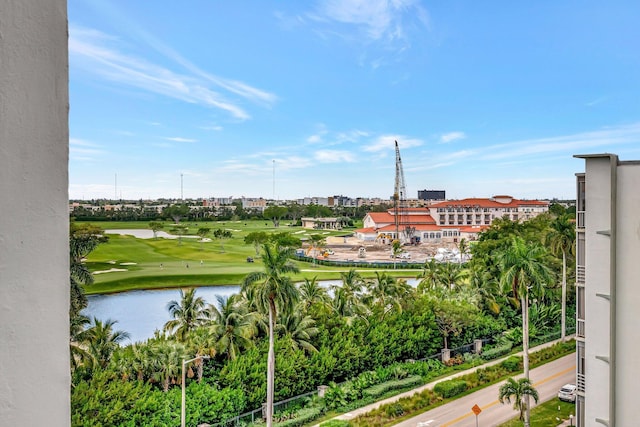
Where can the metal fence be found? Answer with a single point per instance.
(257, 414)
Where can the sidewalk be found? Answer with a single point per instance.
(368, 408)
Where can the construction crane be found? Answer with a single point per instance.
(404, 230)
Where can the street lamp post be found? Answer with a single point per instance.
(183, 414)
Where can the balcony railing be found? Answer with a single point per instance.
(580, 274)
(580, 219)
(580, 328)
(580, 382)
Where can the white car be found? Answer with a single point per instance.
(567, 393)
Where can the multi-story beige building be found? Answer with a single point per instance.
(607, 291)
(451, 219)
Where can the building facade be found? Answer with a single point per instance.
(34, 254)
(432, 195)
(607, 292)
(450, 220)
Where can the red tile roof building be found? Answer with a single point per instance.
(451, 219)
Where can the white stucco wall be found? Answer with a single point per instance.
(34, 278)
(628, 293)
(598, 281)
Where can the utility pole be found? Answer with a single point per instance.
(274, 179)
(181, 188)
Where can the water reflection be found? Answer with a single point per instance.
(140, 313)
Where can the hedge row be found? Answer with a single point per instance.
(495, 352)
(382, 388)
(450, 388)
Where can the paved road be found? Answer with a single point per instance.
(547, 379)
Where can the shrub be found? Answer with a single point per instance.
(302, 417)
(336, 423)
(380, 389)
(512, 364)
(495, 352)
(454, 361)
(450, 388)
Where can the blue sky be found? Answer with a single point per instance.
(290, 99)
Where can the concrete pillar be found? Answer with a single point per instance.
(446, 355)
(322, 390)
(477, 346)
(34, 230)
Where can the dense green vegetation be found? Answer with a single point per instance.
(370, 324)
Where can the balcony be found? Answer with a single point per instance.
(580, 274)
(580, 219)
(580, 382)
(580, 328)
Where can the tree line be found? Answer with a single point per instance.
(276, 339)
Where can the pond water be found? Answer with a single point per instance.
(140, 313)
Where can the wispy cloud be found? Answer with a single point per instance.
(596, 101)
(379, 19)
(103, 55)
(570, 144)
(452, 136)
(82, 150)
(324, 136)
(387, 143)
(180, 139)
(212, 127)
(333, 156)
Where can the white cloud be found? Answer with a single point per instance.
(387, 142)
(333, 156)
(212, 127)
(101, 54)
(180, 139)
(570, 144)
(380, 19)
(84, 151)
(452, 136)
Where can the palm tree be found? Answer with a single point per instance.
(273, 291)
(312, 294)
(318, 241)
(522, 271)
(485, 285)
(102, 341)
(396, 250)
(78, 340)
(430, 276)
(387, 293)
(520, 391)
(187, 314)
(168, 356)
(452, 274)
(463, 249)
(202, 342)
(233, 326)
(562, 238)
(298, 330)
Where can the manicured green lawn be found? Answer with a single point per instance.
(547, 414)
(164, 263)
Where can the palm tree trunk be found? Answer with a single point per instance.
(563, 320)
(525, 349)
(271, 364)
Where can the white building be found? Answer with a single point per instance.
(34, 254)
(607, 291)
(450, 220)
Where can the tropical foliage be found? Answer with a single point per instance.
(277, 339)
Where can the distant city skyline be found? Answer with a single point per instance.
(290, 99)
